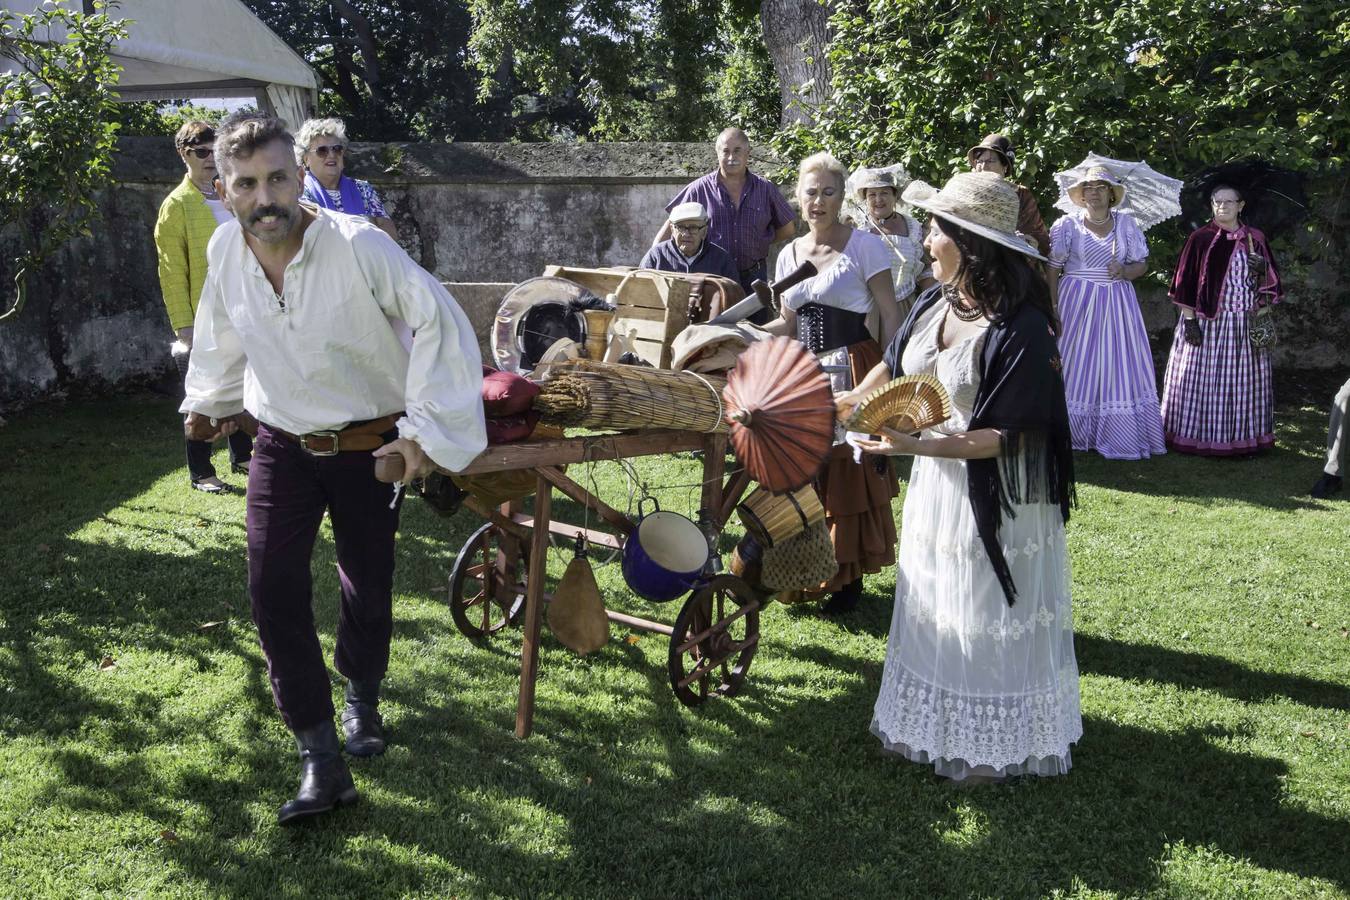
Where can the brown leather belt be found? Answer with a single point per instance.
(357, 436)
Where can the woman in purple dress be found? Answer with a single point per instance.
(1217, 396)
(1108, 367)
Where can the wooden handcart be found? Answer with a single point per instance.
(498, 579)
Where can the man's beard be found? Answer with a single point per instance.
(286, 216)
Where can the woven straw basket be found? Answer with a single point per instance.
(773, 518)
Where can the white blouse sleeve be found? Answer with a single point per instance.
(785, 265)
(786, 261)
(872, 254)
(215, 380)
(443, 396)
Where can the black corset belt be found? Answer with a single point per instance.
(823, 328)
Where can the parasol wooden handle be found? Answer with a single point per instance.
(792, 279)
(389, 468)
(768, 294)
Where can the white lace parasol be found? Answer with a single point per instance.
(1150, 196)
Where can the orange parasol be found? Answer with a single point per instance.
(781, 411)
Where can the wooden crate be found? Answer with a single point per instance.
(654, 306)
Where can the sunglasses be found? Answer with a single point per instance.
(323, 151)
(200, 152)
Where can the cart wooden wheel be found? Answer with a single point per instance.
(715, 638)
(482, 601)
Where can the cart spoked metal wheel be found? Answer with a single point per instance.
(487, 583)
(715, 638)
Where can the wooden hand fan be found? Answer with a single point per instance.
(909, 403)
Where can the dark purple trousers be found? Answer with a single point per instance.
(288, 491)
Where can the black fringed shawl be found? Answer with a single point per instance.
(1021, 393)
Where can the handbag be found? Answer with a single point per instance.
(801, 562)
(1261, 329)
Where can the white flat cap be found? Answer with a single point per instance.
(687, 211)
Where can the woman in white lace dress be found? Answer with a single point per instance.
(980, 678)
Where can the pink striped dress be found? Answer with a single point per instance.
(1109, 380)
(1217, 398)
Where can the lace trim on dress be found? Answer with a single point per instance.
(997, 731)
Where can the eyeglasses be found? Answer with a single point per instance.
(1224, 202)
(200, 152)
(690, 229)
(323, 151)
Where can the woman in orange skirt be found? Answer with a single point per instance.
(828, 313)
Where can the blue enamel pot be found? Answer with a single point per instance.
(665, 555)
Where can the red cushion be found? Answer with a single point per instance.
(507, 394)
(505, 429)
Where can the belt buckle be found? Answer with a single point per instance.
(304, 443)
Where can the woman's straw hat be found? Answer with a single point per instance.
(893, 177)
(980, 202)
(1096, 173)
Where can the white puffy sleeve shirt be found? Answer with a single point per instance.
(325, 352)
(843, 283)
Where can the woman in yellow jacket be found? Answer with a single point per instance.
(187, 219)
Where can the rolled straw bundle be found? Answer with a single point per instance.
(589, 394)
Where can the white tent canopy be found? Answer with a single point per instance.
(194, 49)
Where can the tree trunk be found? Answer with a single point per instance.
(797, 36)
(368, 70)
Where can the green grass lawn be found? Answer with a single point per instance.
(140, 754)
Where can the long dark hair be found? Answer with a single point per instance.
(997, 278)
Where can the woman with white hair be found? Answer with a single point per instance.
(828, 313)
(320, 146)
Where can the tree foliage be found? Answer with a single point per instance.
(150, 117)
(57, 127)
(528, 70)
(1181, 83)
(641, 69)
(393, 69)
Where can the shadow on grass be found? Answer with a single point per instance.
(621, 792)
(1199, 671)
(1278, 478)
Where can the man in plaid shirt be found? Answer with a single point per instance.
(746, 213)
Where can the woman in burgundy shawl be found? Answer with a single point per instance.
(1217, 397)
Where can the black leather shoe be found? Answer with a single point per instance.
(240, 468)
(1326, 486)
(325, 781)
(361, 722)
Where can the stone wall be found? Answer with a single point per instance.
(484, 214)
(481, 216)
